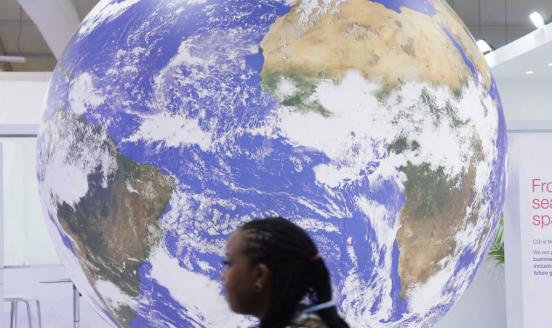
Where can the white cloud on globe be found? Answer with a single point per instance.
(104, 11)
(114, 295)
(83, 94)
(172, 131)
(201, 296)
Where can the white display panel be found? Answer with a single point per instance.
(26, 239)
(529, 229)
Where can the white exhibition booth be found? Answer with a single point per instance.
(523, 71)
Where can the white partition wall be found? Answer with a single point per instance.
(21, 97)
(25, 239)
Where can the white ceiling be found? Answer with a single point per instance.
(526, 59)
(497, 21)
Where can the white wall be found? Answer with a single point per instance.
(25, 239)
(21, 97)
(526, 100)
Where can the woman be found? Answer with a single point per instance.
(272, 265)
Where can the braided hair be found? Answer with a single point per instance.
(297, 270)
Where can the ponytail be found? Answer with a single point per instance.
(322, 293)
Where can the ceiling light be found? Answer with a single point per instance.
(550, 64)
(537, 19)
(484, 47)
(529, 72)
(13, 59)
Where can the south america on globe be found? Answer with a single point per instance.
(375, 125)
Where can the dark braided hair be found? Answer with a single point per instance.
(296, 270)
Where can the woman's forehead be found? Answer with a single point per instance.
(235, 242)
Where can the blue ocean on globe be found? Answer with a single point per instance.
(375, 125)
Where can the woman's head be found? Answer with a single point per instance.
(273, 265)
(245, 281)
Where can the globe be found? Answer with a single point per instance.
(375, 125)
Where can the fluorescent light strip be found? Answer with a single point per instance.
(13, 59)
(483, 46)
(537, 19)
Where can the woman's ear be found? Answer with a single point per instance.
(262, 274)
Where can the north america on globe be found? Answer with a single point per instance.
(375, 125)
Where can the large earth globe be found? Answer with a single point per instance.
(375, 125)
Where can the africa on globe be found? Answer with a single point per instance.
(374, 125)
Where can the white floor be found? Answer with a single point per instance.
(482, 306)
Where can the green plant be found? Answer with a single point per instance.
(496, 252)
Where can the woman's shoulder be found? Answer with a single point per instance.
(308, 321)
